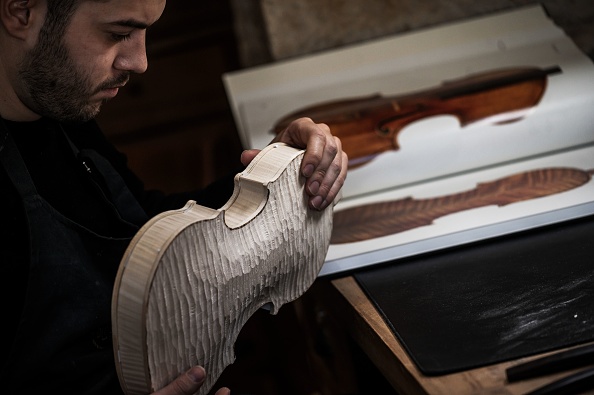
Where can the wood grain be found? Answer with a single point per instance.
(191, 278)
(390, 217)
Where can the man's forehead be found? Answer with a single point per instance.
(133, 13)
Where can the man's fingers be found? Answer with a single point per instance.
(319, 153)
(324, 163)
(332, 182)
(248, 155)
(186, 384)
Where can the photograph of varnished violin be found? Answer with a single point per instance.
(368, 126)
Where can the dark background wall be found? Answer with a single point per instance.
(174, 121)
(292, 28)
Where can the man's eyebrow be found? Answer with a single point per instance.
(130, 23)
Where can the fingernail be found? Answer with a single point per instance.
(316, 202)
(324, 205)
(314, 187)
(197, 374)
(308, 171)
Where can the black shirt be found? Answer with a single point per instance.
(64, 181)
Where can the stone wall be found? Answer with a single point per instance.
(271, 30)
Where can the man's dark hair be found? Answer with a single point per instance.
(58, 15)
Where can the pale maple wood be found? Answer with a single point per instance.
(360, 317)
(192, 277)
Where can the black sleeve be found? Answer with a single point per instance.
(153, 201)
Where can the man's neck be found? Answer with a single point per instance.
(11, 107)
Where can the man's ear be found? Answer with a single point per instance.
(18, 16)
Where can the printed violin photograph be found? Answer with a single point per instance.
(454, 133)
(461, 209)
(368, 126)
(390, 217)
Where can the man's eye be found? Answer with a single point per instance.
(120, 37)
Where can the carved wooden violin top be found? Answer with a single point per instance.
(192, 277)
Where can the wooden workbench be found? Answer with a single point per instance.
(355, 312)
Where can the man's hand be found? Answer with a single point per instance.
(188, 383)
(324, 163)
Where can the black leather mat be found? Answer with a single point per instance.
(492, 301)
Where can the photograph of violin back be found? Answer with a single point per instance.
(385, 218)
(191, 278)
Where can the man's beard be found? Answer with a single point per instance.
(55, 87)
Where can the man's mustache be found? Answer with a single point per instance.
(116, 82)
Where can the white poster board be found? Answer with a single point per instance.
(437, 155)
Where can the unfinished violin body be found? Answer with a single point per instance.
(191, 278)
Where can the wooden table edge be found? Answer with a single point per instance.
(351, 306)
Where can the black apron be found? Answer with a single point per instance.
(64, 343)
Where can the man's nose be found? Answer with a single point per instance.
(132, 57)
